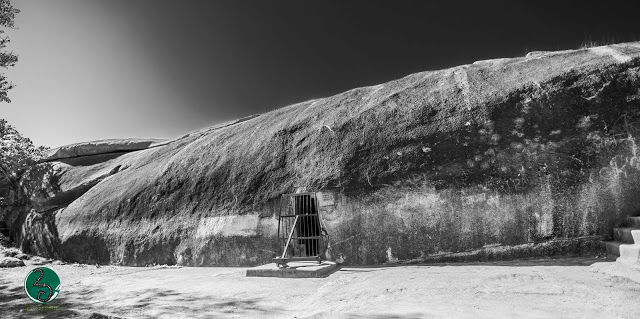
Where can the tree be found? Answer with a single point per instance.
(7, 59)
(17, 154)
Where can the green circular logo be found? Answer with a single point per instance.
(42, 285)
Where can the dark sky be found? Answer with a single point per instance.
(100, 69)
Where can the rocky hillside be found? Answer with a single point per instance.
(504, 151)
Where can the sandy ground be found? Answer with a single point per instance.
(565, 288)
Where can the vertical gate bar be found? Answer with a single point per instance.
(292, 211)
(308, 242)
(316, 221)
(308, 227)
(296, 212)
(302, 228)
(320, 242)
(318, 228)
(310, 251)
(286, 219)
(292, 204)
(313, 226)
(316, 211)
(292, 201)
(303, 199)
(309, 231)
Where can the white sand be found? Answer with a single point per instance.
(531, 289)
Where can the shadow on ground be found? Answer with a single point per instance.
(577, 261)
(157, 302)
(170, 303)
(389, 316)
(16, 304)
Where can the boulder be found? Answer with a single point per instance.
(10, 262)
(37, 260)
(9, 252)
(23, 256)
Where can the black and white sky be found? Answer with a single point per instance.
(96, 69)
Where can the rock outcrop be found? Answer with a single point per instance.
(10, 262)
(504, 151)
(99, 151)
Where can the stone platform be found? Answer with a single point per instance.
(302, 269)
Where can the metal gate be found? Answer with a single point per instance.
(300, 231)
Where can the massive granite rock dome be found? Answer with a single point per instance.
(503, 151)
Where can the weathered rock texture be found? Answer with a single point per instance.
(10, 262)
(505, 151)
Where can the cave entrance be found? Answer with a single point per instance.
(300, 230)
(4, 229)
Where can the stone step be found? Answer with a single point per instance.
(613, 249)
(629, 254)
(634, 222)
(626, 235)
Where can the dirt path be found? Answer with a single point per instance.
(532, 289)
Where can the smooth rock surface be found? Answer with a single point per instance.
(507, 151)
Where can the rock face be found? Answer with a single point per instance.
(505, 151)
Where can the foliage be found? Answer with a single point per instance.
(7, 58)
(17, 153)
